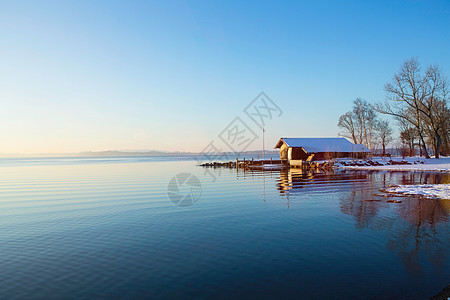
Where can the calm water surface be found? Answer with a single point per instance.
(95, 228)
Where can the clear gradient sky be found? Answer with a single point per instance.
(171, 75)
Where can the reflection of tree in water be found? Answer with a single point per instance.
(421, 227)
(355, 205)
(402, 177)
(422, 177)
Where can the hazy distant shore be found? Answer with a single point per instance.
(115, 153)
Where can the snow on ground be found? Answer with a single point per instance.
(428, 190)
(413, 164)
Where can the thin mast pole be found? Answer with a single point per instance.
(263, 145)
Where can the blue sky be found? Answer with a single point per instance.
(171, 75)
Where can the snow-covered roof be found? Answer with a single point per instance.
(360, 148)
(313, 145)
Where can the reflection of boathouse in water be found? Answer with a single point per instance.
(293, 180)
(295, 150)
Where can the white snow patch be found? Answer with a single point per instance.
(325, 144)
(441, 191)
(415, 164)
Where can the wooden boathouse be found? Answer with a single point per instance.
(294, 151)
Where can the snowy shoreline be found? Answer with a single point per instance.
(412, 164)
(441, 191)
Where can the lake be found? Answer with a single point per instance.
(107, 228)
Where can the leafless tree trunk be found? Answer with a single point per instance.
(385, 134)
(408, 136)
(347, 123)
(444, 132)
(360, 124)
(436, 119)
(413, 97)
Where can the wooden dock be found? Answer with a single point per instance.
(251, 164)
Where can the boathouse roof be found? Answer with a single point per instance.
(314, 145)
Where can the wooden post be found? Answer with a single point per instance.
(237, 163)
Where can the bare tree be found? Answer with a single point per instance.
(367, 122)
(385, 134)
(347, 123)
(360, 124)
(435, 121)
(408, 136)
(444, 132)
(413, 97)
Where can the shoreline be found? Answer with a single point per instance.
(433, 191)
(411, 164)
